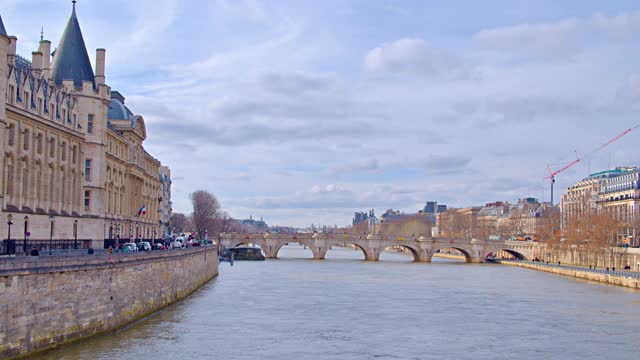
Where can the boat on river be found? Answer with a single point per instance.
(243, 253)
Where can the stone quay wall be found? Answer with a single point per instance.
(49, 301)
(610, 279)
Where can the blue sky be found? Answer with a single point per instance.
(304, 111)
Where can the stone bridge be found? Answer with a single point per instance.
(474, 250)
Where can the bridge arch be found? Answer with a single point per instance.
(248, 243)
(466, 253)
(293, 241)
(516, 254)
(364, 252)
(414, 252)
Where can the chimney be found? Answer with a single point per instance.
(36, 60)
(100, 58)
(12, 46)
(45, 49)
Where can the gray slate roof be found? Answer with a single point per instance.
(117, 109)
(3, 31)
(71, 60)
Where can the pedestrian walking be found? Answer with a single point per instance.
(34, 251)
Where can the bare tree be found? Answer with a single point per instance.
(206, 212)
(179, 222)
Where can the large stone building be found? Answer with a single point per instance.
(73, 160)
(583, 197)
(615, 191)
(364, 222)
(460, 223)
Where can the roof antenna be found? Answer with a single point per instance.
(42, 34)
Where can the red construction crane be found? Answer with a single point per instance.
(552, 174)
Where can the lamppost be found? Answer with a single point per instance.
(26, 231)
(75, 234)
(9, 217)
(51, 220)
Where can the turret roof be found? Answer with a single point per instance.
(3, 31)
(71, 60)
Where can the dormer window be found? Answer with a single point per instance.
(11, 94)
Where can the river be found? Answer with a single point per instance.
(342, 308)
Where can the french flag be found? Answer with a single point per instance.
(143, 211)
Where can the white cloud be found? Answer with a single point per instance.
(547, 41)
(621, 26)
(414, 57)
(268, 107)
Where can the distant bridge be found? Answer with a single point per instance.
(423, 249)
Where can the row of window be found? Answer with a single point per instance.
(52, 112)
(116, 149)
(26, 143)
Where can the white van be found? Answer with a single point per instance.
(177, 243)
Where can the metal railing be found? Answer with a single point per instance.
(17, 246)
(71, 252)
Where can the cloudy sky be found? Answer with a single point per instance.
(305, 111)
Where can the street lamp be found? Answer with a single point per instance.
(75, 234)
(9, 217)
(26, 231)
(51, 220)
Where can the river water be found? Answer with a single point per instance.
(342, 308)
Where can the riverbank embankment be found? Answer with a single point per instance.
(49, 301)
(610, 278)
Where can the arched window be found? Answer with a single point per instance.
(63, 193)
(9, 177)
(11, 135)
(25, 180)
(50, 189)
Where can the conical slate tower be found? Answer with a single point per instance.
(71, 60)
(3, 31)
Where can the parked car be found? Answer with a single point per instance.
(144, 246)
(129, 247)
(177, 243)
(158, 246)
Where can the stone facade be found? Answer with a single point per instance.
(50, 301)
(72, 150)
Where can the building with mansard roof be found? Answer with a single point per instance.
(73, 162)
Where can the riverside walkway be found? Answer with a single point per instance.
(601, 271)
